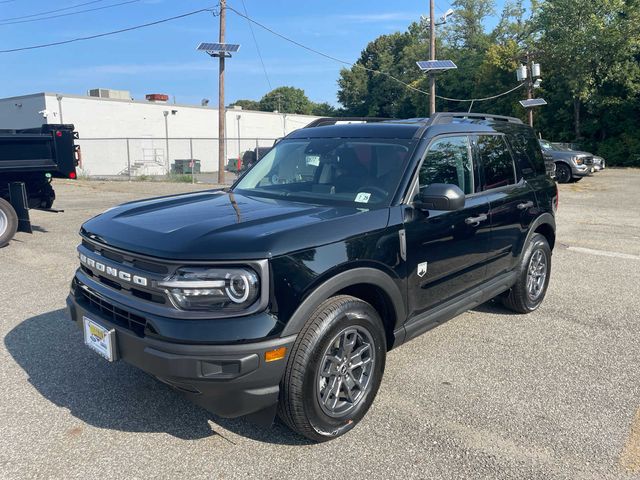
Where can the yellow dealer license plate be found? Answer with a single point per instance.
(99, 339)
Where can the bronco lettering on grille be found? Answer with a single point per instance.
(113, 272)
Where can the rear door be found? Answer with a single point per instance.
(446, 250)
(513, 204)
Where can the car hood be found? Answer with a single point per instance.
(562, 153)
(217, 225)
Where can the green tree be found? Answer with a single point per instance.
(246, 104)
(286, 100)
(323, 109)
(592, 46)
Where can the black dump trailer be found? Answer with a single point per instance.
(29, 159)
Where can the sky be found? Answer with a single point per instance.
(163, 58)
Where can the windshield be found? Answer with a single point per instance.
(360, 172)
(545, 145)
(561, 147)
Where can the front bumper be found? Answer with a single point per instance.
(581, 170)
(229, 380)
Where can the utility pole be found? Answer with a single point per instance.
(529, 74)
(221, 104)
(529, 88)
(432, 56)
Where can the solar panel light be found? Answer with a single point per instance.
(436, 65)
(219, 49)
(533, 102)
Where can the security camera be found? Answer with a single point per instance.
(204, 102)
(44, 113)
(173, 112)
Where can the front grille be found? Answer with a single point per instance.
(128, 259)
(588, 160)
(126, 262)
(94, 302)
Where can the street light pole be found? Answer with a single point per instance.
(432, 56)
(221, 105)
(166, 138)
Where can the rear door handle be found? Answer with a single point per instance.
(524, 206)
(475, 221)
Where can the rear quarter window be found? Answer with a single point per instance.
(528, 153)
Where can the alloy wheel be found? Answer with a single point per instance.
(345, 372)
(536, 274)
(563, 174)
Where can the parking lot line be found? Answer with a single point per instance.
(604, 253)
(630, 457)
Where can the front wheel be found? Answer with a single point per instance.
(563, 173)
(533, 277)
(334, 370)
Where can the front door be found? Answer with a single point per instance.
(446, 250)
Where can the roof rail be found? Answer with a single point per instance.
(457, 117)
(327, 121)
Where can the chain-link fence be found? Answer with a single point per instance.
(127, 158)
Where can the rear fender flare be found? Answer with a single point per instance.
(545, 218)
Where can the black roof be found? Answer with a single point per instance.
(395, 128)
(360, 130)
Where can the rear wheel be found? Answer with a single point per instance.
(8, 222)
(335, 369)
(533, 277)
(563, 173)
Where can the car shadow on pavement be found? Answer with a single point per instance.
(493, 306)
(50, 349)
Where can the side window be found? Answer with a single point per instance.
(496, 161)
(448, 160)
(529, 154)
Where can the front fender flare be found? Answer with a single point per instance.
(339, 282)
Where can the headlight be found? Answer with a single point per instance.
(578, 160)
(213, 289)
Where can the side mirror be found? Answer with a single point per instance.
(440, 196)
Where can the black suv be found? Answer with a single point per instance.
(284, 293)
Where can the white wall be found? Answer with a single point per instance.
(22, 112)
(105, 124)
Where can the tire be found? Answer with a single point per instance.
(563, 173)
(524, 297)
(309, 403)
(8, 222)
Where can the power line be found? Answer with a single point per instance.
(317, 52)
(51, 11)
(99, 35)
(257, 47)
(70, 13)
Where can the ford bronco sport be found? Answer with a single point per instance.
(283, 293)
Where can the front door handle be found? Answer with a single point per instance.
(475, 221)
(524, 206)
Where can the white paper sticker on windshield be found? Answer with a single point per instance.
(363, 197)
(312, 160)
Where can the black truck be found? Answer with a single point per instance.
(283, 293)
(29, 159)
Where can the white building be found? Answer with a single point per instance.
(118, 135)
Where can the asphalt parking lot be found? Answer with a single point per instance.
(554, 394)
